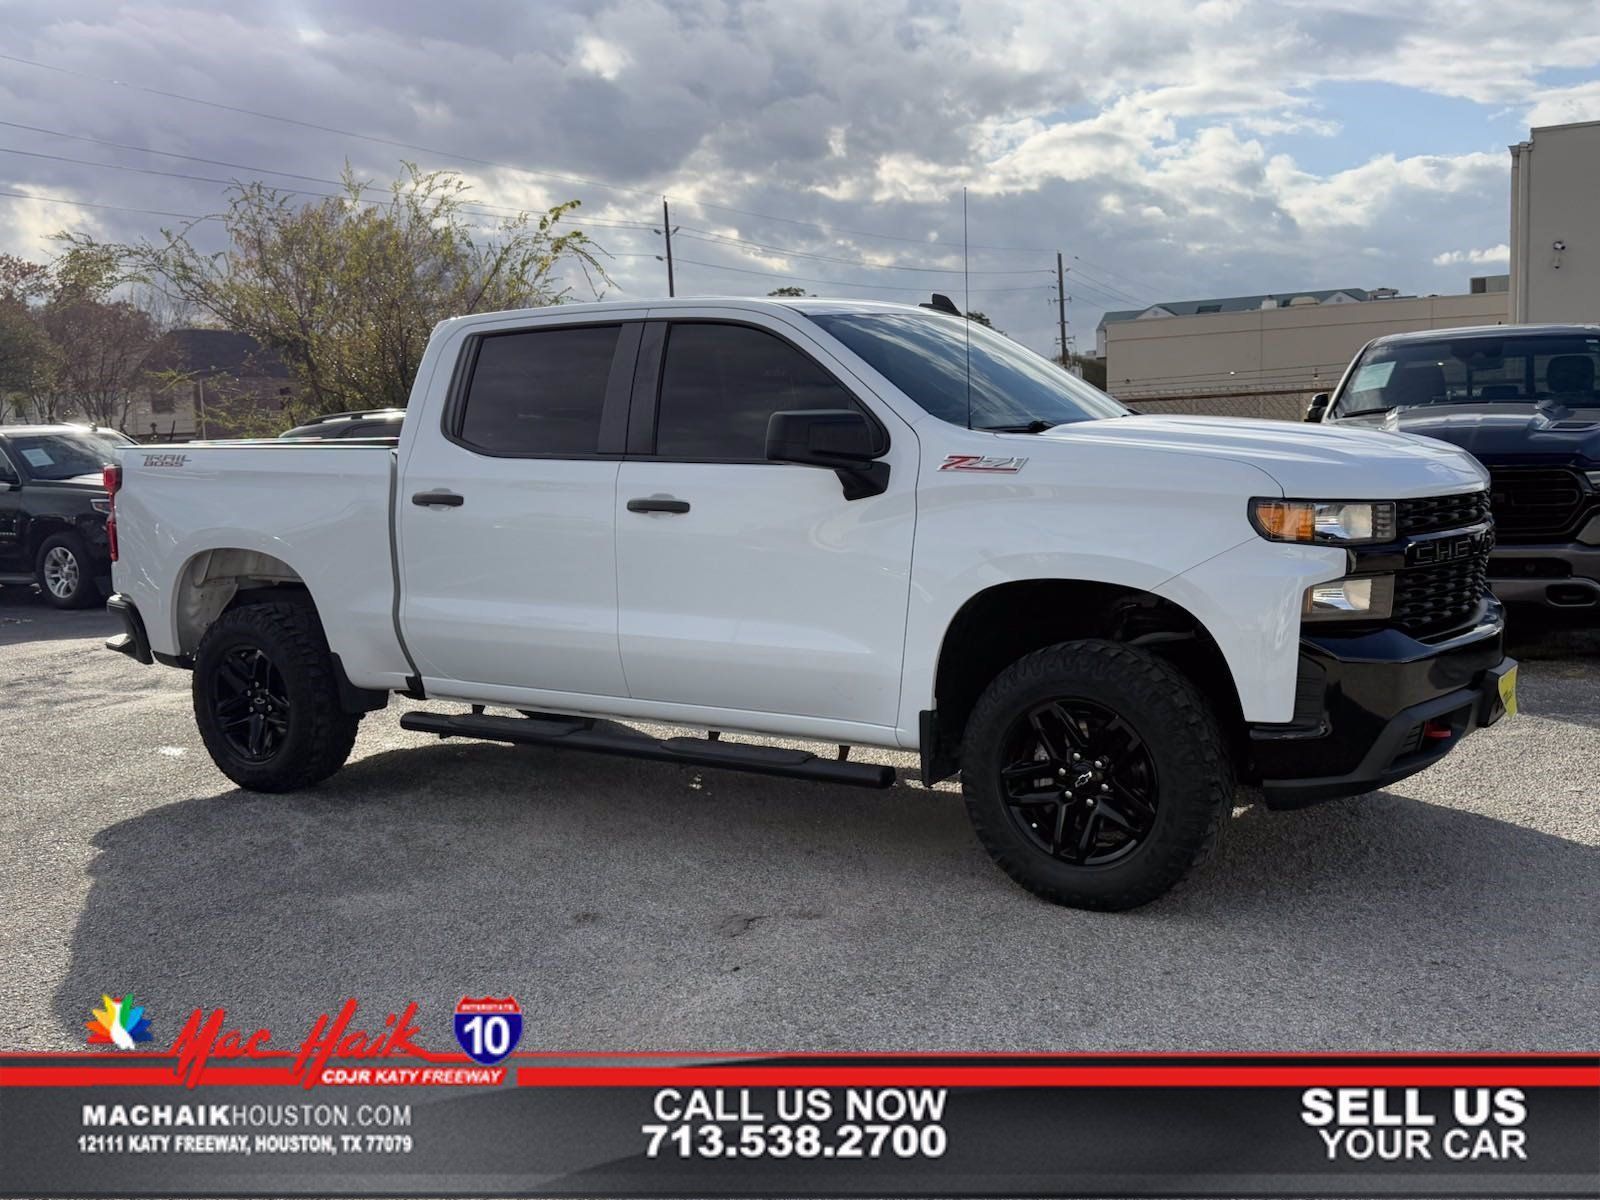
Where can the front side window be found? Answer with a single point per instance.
(539, 391)
(1490, 369)
(998, 383)
(720, 384)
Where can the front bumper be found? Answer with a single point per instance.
(1557, 576)
(1372, 708)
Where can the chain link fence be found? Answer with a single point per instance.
(1275, 405)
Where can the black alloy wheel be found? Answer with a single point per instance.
(1078, 782)
(250, 702)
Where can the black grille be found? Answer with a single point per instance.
(1430, 599)
(1433, 513)
(1535, 502)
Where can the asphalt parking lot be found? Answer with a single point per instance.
(631, 905)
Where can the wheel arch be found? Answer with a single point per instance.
(215, 580)
(999, 624)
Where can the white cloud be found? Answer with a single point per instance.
(1565, 106)
(602, 58)
(1488, 256)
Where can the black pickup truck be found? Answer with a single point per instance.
(1525, 401)
(53, 507)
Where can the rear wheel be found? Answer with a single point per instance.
(66, 573)
(1095, 774)
(266, 698)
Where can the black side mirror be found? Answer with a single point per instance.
(1317, 407)
(840, 439)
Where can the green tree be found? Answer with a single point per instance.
(979, 318)
(347, 290)
(789, 290)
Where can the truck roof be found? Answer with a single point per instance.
(805, 304)
(1487, 331)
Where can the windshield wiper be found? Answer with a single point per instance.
(1367, 412)
(1034, 426)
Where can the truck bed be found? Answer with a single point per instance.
(184, 511)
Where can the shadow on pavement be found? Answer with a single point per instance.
(630, 905)
(26, 617)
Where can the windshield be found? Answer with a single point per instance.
(60, 455)
(1528, 369)
(926, 358)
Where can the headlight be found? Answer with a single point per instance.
(1367, 598)
(1324, 520)
(1594, 479)
(100, 505)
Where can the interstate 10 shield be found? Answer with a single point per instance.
(488, 1029)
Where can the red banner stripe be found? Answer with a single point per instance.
(1528, 1075)
(1175, 1076)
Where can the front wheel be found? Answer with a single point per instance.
(266, 698)
(1095, 774)
(66, 573)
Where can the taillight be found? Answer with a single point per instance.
(111, 480)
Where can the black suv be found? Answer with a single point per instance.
(53, 507)
(1525, 400)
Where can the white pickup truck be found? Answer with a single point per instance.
(839, 521)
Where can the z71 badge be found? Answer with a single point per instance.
(980, 462)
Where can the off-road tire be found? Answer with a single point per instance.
(1180, 733)
(320, 733)
(87, 593)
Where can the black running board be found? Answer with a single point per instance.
(575, 734)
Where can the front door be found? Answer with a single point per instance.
(506, 522)
(766, 590)
(12, 532)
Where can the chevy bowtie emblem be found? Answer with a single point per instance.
(981, 462)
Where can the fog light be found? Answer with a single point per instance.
(1364, 598)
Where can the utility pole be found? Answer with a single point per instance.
(666, 229)
(1061, 305)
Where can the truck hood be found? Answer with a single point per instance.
(1314, 462)
(1503, 432)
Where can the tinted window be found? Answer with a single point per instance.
(930, 359)
(539, 391)
(1490, 369)
(8, 473)
(721, 383)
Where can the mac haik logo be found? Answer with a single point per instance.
(118, 1022)
(208, 1036)
(488, 1029)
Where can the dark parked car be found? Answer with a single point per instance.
(1525, 400)
(53, 507)
(373, 423)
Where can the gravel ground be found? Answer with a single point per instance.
(632, 905)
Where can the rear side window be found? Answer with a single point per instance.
(721, 383)
(539, 391)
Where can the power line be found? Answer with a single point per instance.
(152, 212)
(880, 287)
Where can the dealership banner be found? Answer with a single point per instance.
(363, 1105)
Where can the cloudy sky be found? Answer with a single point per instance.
(1169, 150)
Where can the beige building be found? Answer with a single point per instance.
(1274, 355)
(1555, 224)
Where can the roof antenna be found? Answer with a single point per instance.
(966, 302)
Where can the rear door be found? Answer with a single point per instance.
(506, 517)
(766, 590)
